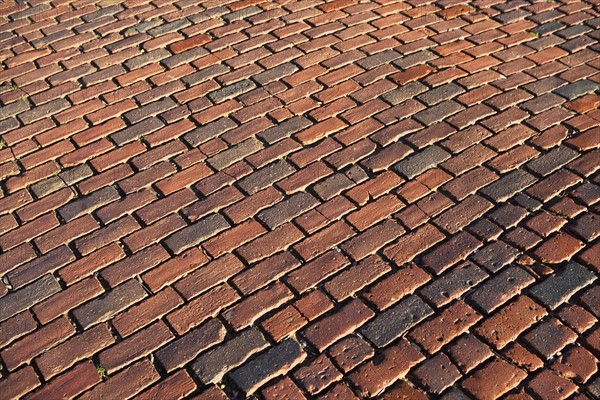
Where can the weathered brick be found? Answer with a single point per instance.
(27, 296)
(126, 383)
(508, 322)
(67, 299)
(40, 266)
(453, 284)
(266, 176)
(345, 320)
(70, 352)
(558, 288)
(288, 209)
(450, 252)
(71, 383)
(315, 271)
(420, 162)
(549, 337)
(396, 320)
(196, 233)
(275, 362)
(500, 288)
(493, 380)
(507, 186)
(278, 239)
(212, 365)
(88, 203)
(20, 383)
(245, 312)
(437, 373)
(317, 375)
(37, 342)
(142, 314)
(385, 368)
(104, 307)
(135, 346)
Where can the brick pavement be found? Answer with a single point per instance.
(299, 199)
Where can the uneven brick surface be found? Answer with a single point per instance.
(298, 199)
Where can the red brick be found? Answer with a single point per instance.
(95, 261)
(550, 386)
(37, 342)
(345, 320)
(283, 389)
(126, 383)
(71, 383)
(142, 314)
(209, 275)
(509, 321)
(323, 240)
(67, 299)
(16, 327)
(201, 308)
(135, 346)
(412, 74)
(78, 348)
(313, 304)
(414, 243)
(522, 357)
(558, 248)
(189, 43)
(449, 324)
(387, 367)
(283, 323)
(253, 307)
(174, 268)
(19, 383)
(177, 385)
(493, 380)
(270, 243)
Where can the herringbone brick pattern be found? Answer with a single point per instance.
(298, 199)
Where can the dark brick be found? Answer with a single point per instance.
(105, 306)
(196, 233)
(212, 365)
(88, 203)
(46, 110)
(26, 297)
(350, 352)
(577, 89)
(403, 93)
(509, 185)
(286, 210)
(231, 91)
(549, 337)
(441, 93)
(284, 130)
(275, 362)
(209, 131)
(420, 162)
(495, 255)
(396, 320)
(266, 176)
(453, 284)
(500, 288)
(550, 162)
(558, 288)
(438, 112)
(437, 373)
(332, 186)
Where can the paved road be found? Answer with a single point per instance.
(299, 199)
